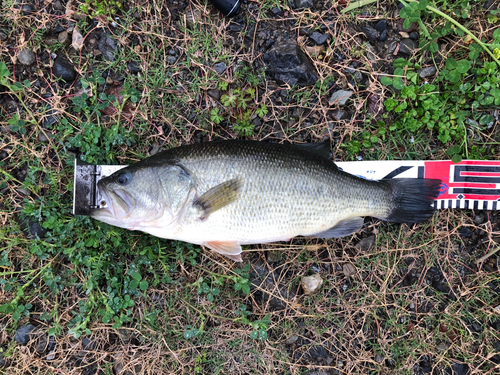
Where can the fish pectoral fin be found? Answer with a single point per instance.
(230, 249)
(218, 197)
(342, 228)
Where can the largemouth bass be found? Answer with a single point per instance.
(226, 194)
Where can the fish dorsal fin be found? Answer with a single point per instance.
(218, 197)
(321, 149)
(230, 249)
(342, 228)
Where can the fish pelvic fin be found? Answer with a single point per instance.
(230, 249)
(218, 197)
(411, 199)
(342, 228)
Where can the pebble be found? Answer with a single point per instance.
(379, 357)
(479, 218)
(51, 41)
(404, 34)
(383, 36)
(3, 36)
(381, 25)
(298, 4)
(171, 60)
(339, 115)
(427, 71)
(311, 284)
(442, 346)
(22, 335)
(220, 68)
(370, 33)
(319, 38)
(63, 69)
(26, 57)
(107, 45)
(414, 35)
(277, 12)
(366, 244)
(291, 340)
(340, 97)
(63, 38)
(133, 67)
(407, 46)
(23, 191)
(214, 93)
(348, 269)
(273, 256)
(57, 5)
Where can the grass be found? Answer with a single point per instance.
(113, 300)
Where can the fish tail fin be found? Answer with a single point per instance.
(412, 199)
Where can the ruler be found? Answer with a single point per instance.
(470, 184)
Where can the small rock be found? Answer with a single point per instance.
(442, 346)
(427, 72)
(298, 4)
(133, 67)
(277, 12)
(404, 34)
(366, 244)
(63, 38)
(370, 33)
(459, 369)
(220, 68)
(383, 36)
(27, 9)
(338, 115)
(287, 63)
(340, 97)
(319, 38)
(273, 256)
(57, 5)
(381, 26)
(23, 191)
(107, 45)
(63, 69)
(49, 118)
(171, 60)
(3, 36)
(318, 351)
(479, 218)
(3, 361)
(348, 269)
(42, 345)
(311, 284)
(379, 357)
(51, 41)
(88, 344)
(22, 335)
(26, 57)
(407, 46)
(235, 27)
(414, 35)
(214, 93)
(291, 340)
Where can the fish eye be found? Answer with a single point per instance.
(123, 178)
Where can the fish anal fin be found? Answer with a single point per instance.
(218, 197)
(230, 249)
(342, 228)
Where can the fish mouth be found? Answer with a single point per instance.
(119, 204)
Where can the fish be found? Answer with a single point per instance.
(225, 194)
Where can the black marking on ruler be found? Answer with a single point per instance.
(494, 206)
(457, 175)
(466, 206)
(435, 205)
(421, 172)
(395, 172)
(485, 205)
(442, 203)
(476, 205)
(476, 191)
(457, 204)
(449, 203)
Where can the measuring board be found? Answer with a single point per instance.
(470, 184)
